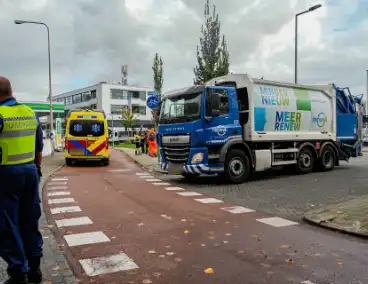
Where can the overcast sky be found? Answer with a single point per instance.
(91, 39)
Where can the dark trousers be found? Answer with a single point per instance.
(20, 211)
(143, 147)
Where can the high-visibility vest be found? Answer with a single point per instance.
(18, 126)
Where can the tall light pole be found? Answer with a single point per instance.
(315, 7)
(19, 22)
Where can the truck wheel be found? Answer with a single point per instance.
(305, 162)
(327, 159)
(69, 162)
(237, 166)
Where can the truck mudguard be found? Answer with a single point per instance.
(235, 140)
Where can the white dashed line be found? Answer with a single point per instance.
(59, 179)
(86, 238)
(58, 193)
(209, 200)
(237, 209)
(57, 183)
(145, 177)
(119, 170)
(189, 193)
(77, 221)
(174, 188)
(277, 222)
(70, 209)
(61, 200)
(57, 188)
(142, 174)
(160, 183)
(153, 179)
(110, 264)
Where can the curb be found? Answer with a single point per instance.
(331, 227)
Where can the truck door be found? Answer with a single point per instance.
(222, 115)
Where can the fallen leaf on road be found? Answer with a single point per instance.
(146, 281)
(290, 261)
(178, 259)
(151, 251)
(203, 245)
(170, 253)
(161, 256)
(156, 274)
(186, 232)
(168, 247)
(113, 238)
(214, 221)
(130, 212)
(285, 246)
(216, 245)
(240, 251)
(339, 262)
(225, 242)
(166, 217)
(183, 220)
(211, 237)
(140, 225)
(209, 271)
(228, 234)
(211, 233)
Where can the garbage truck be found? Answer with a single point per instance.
(235, 125)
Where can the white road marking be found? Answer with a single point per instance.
(70, 209)
(144, 177)
(277, 222)
(57, 188)
(307, 282)
(209, 200)
(174, 188)
(59, 179)
(160, 183)
(110, 264)
(153, 179)
(58, 193)
(57, 183)
(143, 174)
(86, 238)
(237, 209)
(119, 170)
(189, 193)
(77, 221)
(61, 200)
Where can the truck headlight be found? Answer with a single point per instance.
(197, 158)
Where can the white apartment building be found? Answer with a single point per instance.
(112, 98)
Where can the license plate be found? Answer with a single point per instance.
(77, 152)
(175, 169)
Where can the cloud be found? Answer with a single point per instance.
(91, 39)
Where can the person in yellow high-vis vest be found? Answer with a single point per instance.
(20, 160)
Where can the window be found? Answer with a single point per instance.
(134, 94)
(117, 109)
(83, 128)
(117, 94)
(224, 102)
(142, 96)
(136, 109)
(68, 100)
(77, 98)
(86, 96)
(93, 94)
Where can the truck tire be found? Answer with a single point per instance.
(69, 162)
(237, 166)
(327, 159)
(305, 161)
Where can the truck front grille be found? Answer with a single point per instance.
(176, 153)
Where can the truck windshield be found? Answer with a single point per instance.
(84, 128)
(181, 108)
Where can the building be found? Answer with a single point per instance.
(112, 98)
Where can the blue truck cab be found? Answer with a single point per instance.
(233, 127)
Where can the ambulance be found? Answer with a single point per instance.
(86, 137)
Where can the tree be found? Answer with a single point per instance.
(158, 81)
(212, 53)
(128, 118)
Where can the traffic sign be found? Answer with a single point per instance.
(153, 102)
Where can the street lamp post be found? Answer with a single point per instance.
(315, 7)
(19, 22)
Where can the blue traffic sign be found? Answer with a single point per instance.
(153, 102)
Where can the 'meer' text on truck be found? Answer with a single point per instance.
(234, 125)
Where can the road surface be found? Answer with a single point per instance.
(118, 224)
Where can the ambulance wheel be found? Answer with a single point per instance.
(237, 167)
(305, 161)
(327, 159)
(106, 162)
(69, 162)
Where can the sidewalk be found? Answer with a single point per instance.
(151, 164)
(54, 265)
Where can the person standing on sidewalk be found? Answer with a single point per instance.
(20, 160)
(143, 142)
